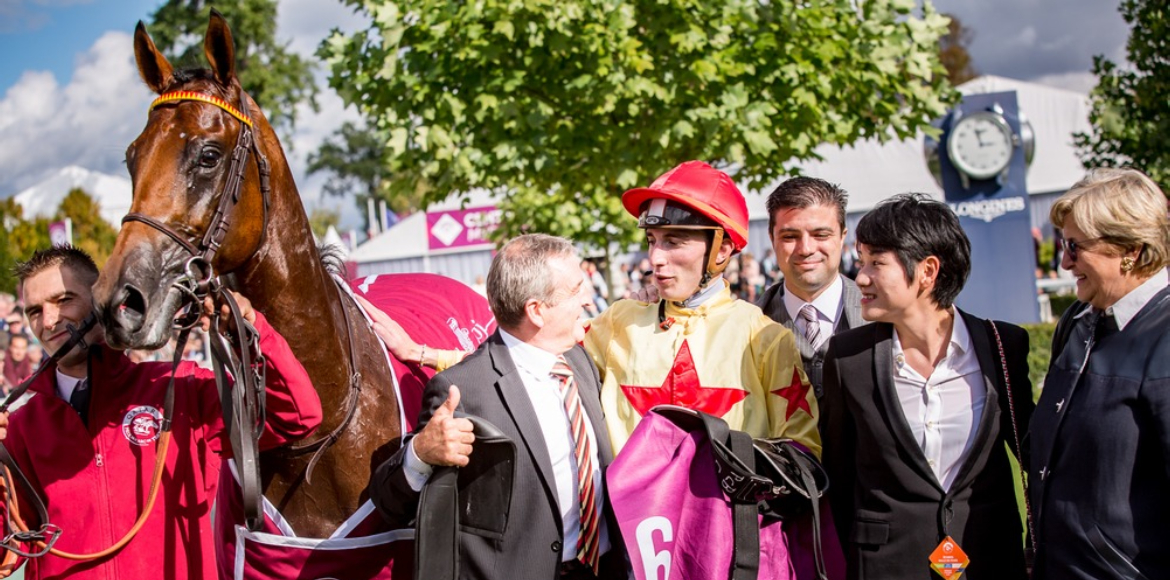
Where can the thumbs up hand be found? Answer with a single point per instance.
(446, 440)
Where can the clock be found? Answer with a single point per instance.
(981, 144)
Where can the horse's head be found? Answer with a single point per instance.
(180, 166)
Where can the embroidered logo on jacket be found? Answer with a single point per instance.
(142, 425)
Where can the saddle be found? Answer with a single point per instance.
(474, 499)
(773, 478)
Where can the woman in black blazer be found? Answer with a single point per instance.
(918, 407)
(1101, 438)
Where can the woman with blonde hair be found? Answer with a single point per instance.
(1100, 439)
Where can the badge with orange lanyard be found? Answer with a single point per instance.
(949, 560)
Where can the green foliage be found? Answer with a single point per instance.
(1047, 252)
(320, 219)
(355, 158)
(1039, 354)
(1060, 302)
(561, 105)
(277, 78)
(1130, 112)
(90, 232)
(19, 238)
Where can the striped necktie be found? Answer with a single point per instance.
(588, 541)
(812, 325)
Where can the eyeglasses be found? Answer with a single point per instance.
(1071, 247)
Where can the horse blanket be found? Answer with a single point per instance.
(434, 310)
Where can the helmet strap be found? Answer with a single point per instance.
(715, 244)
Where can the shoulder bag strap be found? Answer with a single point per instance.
(1007, 384)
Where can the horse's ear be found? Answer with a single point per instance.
(153, 67)
(219, 49)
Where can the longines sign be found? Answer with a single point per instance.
(989, 209)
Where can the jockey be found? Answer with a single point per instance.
(88, 429)
(698, 346)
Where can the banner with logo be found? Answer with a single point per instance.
(461, 228)
(994, 213)
(61, 233)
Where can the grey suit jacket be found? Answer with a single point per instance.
(772, 303)
(890, 510)
(491, 388)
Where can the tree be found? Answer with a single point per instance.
(356, 159)
(90, 232)
(562, 104)
(320, 219)
(19, 238)
(952, 51)
(275, 77)
(1129, 113)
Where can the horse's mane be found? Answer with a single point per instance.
(333, 259)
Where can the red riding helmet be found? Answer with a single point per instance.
(693, 195)
(698, 188)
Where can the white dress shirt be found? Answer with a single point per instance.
(828, 306)
(65, 385)
(944, 409)
(544, 391)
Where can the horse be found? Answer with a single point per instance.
(181, 170)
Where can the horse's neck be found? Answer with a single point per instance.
(287, 281)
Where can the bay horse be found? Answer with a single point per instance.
(179, 167)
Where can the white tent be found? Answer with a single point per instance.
(112, 193)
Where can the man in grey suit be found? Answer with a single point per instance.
(533, 381)
(806, 223)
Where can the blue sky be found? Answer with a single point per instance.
(49, 35)
(68, 82)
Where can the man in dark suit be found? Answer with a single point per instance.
(918, 408)
(560, 522)
(806, 223)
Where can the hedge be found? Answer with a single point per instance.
(1039, 352)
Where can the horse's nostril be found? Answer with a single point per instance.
(132, 309)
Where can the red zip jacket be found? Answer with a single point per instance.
(96, 481)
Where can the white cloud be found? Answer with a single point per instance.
(45, 126)
(88, 122)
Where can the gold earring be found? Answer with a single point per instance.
(1127, 264)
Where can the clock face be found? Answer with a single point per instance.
(981, 145)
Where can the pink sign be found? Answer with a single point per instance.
(461, 228)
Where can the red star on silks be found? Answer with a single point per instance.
(796, 394)
(681, 387)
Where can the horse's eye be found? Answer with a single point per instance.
(209, 158)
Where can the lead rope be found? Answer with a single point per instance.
(21, 532)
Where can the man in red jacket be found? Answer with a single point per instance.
(85, 434)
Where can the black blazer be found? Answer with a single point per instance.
(890, 510)
(772, 303)
(1100, 471)
(490, 387)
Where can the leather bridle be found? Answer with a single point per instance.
(243, 408)
(199, 272)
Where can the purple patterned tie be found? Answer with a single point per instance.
(812, 325)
